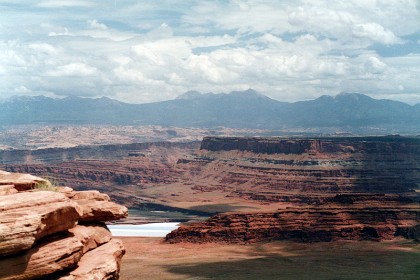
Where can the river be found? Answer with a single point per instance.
(144, 230)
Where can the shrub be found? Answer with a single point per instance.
(47, 185)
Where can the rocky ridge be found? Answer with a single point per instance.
(238, 109)
(311, 224)
(56, 234)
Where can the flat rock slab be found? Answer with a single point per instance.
(22, 182)
(97, 206)
(94, 210)
(28, 216)
(90, 195)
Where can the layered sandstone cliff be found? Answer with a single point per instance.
(259, 175)
(306, 224)
(56, 234)
(118, 170)
(276, 145)
(325, 165)
(324, 189)
(103, 152)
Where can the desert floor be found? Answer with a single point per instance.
(150, 258)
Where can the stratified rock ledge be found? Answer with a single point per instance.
(106, 267)
(313, 224)
(56, 234)
(325, 189)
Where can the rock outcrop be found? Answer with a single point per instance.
(324, 165)
(56, 234)
(21, 182)
(305, 225)
(99, 268)
(29, 216)
(324, 189)
(97, 206)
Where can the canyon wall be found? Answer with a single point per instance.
(328, 222)
(277, 145)
(103, 152)
(50, 232)
(326, 189)
(264, 175)
(357, 164)
(121, 171)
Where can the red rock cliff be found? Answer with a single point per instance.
(337, 188)
(390, 144)
(310, 224)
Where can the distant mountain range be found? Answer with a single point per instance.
(351, 112)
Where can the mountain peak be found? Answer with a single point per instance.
(71, 98)
(245, 109)
(191, 94)
(352, 96)
(26, 98)
(249, 93)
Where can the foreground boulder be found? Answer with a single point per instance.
(53, 255)
(102, 263)
(28, 216)
(56, 253)
(56, 234)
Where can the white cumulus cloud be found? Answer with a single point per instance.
(152, 51)
(73, 69)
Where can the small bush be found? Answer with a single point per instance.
(47, 185)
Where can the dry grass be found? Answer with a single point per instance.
(49, 184)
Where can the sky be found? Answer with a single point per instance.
(148, 51)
